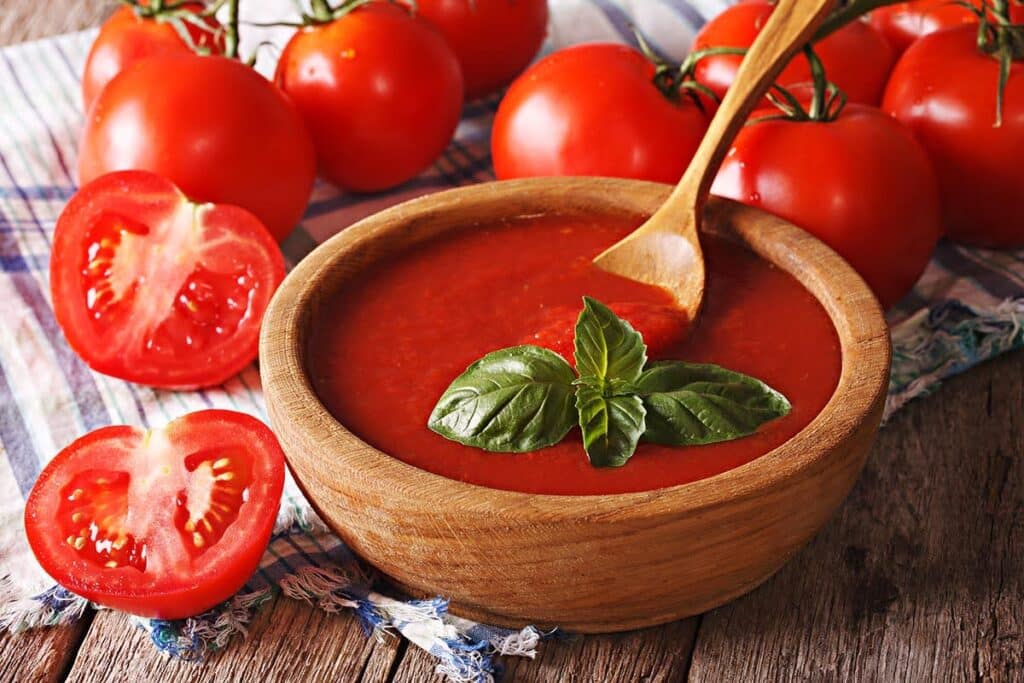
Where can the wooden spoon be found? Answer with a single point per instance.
(665, 250)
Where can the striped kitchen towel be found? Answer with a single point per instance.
(967, 307)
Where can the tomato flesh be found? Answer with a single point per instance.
(154, 289)
(162, 523)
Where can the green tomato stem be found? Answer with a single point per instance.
(231, 35)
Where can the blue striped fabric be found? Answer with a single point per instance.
(967, 307)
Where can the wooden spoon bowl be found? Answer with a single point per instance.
(585, 563)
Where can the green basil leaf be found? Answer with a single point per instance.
(611, 426)
(607, 347)
(690, 404)
(513, 400)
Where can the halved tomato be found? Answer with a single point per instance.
(163, 523)
(153, 288)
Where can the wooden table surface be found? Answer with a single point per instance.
(919, 577)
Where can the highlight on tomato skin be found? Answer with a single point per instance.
(857, 57)
(495, 40)
(976, 159)
(211, 125)
(126, 38)
(554, 119)
(162, 523)
(152, 288)
(904, 22)
(380, 92)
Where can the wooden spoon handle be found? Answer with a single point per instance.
(790, 26)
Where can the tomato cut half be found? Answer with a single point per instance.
(153, 288)
(162, 523)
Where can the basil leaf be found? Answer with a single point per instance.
(513, 400)
(611, 426)
(607, 347)
(691, 404)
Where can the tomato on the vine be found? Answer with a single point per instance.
(493, 39)
(944, 89)
(856, 57)
(905, 22)
(163, 523)
(381, 93)
(860, 183)
(152, 288)
(212, 126)
(595, 110)
(135, 33)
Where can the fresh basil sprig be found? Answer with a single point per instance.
(690, 404)
(514, 400)
(526, 397)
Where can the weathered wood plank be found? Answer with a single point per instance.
(29, 19)
(41, 655)
(288, 640)
(921, 577)
(649, 655)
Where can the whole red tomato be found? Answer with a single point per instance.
(162, 523)
(856, 57)
(944, 90)
(594, 110)
(905, 22)
(380, 91)
(212, 126)
(130, 35)
(493, 39)
(861, 183)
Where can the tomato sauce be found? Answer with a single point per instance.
(383, 350)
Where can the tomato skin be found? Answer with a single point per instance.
(177, 582)
(161, 344)
(862, 184)
(213, 127)
(977, 164)
(857, 57)
(905, 22)
(126, 38)
(592, 110)
(380, 91)
(493, 39)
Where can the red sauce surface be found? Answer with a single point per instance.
(383, 350)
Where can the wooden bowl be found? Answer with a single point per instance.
(586, 563)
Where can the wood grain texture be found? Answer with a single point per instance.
(30, 19)
(587, 563)
(921, 577)
(653, 655)
(41, 655)
(288, 641)
(665, 250)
